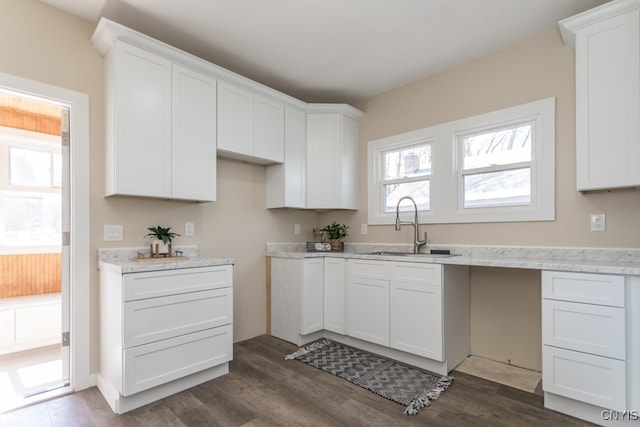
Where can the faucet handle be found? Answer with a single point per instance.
(424, 242)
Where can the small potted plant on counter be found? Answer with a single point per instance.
(161, 240)
(336, 232)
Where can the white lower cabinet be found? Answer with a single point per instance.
(335, 295)
(406, 306)
(297, 294)
(415, 307)
(584, 337)
(162, 332)
(368, 309)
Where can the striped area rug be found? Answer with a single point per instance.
(413, 388)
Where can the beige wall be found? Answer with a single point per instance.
(505, 305)
(46, 45)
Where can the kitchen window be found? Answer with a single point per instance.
(406, 171)
(494, 167)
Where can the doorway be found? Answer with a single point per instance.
(34, 255)
(80, 321)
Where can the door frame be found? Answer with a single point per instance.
(79, 277)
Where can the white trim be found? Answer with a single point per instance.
(81, 376)
(445, 182)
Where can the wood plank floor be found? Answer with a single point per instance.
(262, 389)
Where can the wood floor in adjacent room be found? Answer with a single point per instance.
(262, 389)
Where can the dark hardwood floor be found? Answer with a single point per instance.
(262, 389)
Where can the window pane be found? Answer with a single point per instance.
(31, 220)
(409, 162)
(57, 170)
(504, 188)
(30, 167)
(500, 147)
(418, 190)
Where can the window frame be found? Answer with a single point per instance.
(446, 178)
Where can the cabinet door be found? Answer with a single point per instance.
(155, 319)
(141, 152)
(150, 365)
(235, 119)
(587, 328)
(608, 103)
(286, 298)
(335, 294)
(324, 165)
(152, 284)
(591, 379)
(313, 296)
(368, 309)
(286, 182)
(193, 142)
(416, 310)
(268, 129)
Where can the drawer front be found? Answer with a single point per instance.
(155, 319)
(598, 289)
(368, 268)
(591, 379)
(151, 365)
(171, 282)
(410, 272)
(588, 328)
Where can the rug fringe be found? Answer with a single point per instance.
(424, 399)
(311, 347)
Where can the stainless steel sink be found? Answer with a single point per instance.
(410, 254)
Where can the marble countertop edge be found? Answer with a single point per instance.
(588, 260)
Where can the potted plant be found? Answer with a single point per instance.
(161, 240)
(336, 232)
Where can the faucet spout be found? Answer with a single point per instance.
(416, 240)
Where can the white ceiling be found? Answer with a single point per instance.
(334, 50)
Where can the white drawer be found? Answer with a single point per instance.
(156, 319)
(150, 365)
(591, 379)
(594, 329)
(599, 289)
(368, 268)
(171, 282)
(416, 273)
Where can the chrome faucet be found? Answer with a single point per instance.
(417, 242)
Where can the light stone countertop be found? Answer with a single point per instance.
(585, 260)
(121, 260)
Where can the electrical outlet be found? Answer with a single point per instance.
(189, 229)
(598, 222)
(296, 229)
(364, 229)
(113, 233)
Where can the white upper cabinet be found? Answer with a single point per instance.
(286, 182)
(250, 126)
(160, 120)
(138, 145)
(193, 148)
(607, 45)
(332, 156)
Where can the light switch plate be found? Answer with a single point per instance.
(113, 233)
(189, 229)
